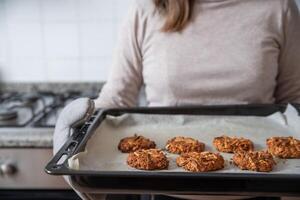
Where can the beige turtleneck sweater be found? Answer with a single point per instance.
(232, 52)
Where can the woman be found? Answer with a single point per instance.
(191, 52)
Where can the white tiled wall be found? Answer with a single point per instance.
(58, 40)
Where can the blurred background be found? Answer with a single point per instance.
(58, 40)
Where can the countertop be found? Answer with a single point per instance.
(26, 137)
(53, 87)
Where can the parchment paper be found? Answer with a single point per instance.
(102, 154)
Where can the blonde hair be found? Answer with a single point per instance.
(177, 13)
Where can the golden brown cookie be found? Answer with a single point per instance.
(260, 161)
(232, 144)
(183, 145)
(148, 159)
(136, 142)
(284, 147)
(200, 161)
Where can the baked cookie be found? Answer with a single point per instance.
(148, 159)
(200, 161)
(232, 144)
(284, 147)
(183, 145)
(136, 142)
(260, 161)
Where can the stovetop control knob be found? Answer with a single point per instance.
(8, 169)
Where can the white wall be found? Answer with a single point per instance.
(58, 40)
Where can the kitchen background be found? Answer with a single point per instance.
(58, 40)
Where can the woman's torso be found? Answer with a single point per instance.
(227, 54)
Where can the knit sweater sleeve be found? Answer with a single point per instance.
(288, 80)
(125, 78)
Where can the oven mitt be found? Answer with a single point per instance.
(72, 116)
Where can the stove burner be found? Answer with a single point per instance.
(35, 108)
(5, 96)
(29, 99)
(6, 114)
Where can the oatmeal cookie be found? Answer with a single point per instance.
(232, 144)
(183, 145)
(284, 147)
(136, 142)
(148, 159)
(260, 161)
(200, 161)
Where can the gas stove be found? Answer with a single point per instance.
(27, 121)
(38, 109)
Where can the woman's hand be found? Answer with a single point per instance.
(73, 115)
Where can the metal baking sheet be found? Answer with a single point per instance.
(101, 153)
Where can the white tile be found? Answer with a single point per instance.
(3, 33)
(63, 70)
(96, 9)
(122, 8)
(2, 11)
(3, 57)
(3, 71)
(25, 39)
(95, 69)
(298, 2)
(22, 69)
(3, 43)
(61, 40)
(78, 41)
(97, 39)
(59, 10)
(22, 10)
(6, 73)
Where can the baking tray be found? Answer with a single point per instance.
(172, 182)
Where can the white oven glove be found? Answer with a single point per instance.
(73, 115)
